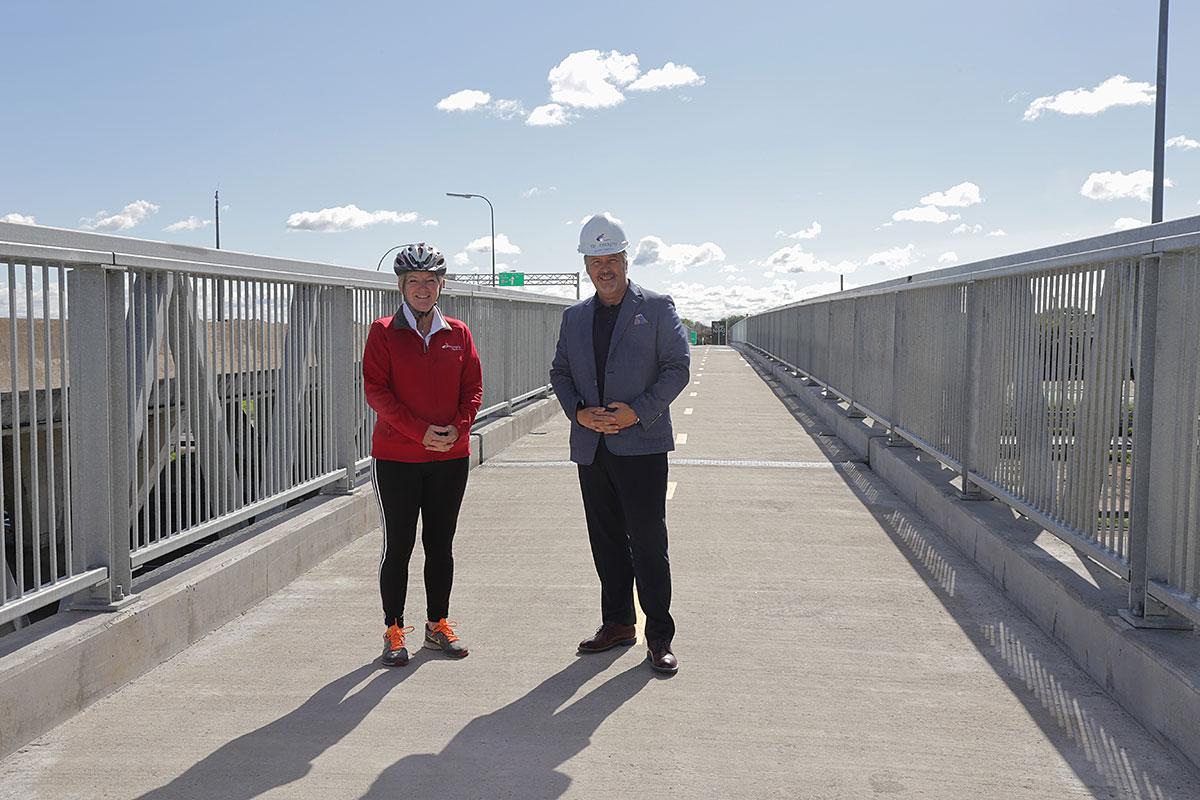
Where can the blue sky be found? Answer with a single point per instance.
(785, 143)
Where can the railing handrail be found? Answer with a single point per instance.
(81, 247)
(1135, 243)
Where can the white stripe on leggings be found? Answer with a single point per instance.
(382, 516)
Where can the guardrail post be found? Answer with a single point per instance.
(1144, 611)
(345, 407)
(974, 375)
(851, 411)
(894, 439)
(97, 404)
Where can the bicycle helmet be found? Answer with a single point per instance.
(420, 257)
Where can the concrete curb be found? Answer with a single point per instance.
(55, 668)
(1154, 675)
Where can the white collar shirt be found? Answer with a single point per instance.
(439, 322)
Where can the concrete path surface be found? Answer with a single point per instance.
(831, 646)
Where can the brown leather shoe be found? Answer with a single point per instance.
(661, 657)
(608, 636)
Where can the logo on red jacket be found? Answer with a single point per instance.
(452, 347)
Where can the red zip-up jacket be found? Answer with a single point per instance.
(412, 386)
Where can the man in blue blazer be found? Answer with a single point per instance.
(622, 357)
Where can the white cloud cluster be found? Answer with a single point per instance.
(23, 219)
(347, 218)
(587, 79)
(189, 224)
(1183, 143)
(924, 214)
(1116, 91)
(965, 228)
(503, 246)
(796, 259)
(811, 232)
(1125, 223)
(997, 232)
(896, 258)
(477, 100)
(705, 303)
(534, 191)
(652, 251)
(123, 220)
(1117, 185)
(960, 195)
(668, 76)
(949, 257)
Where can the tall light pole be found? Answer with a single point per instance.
(492, 211)
(217, 215)
(1160, 114)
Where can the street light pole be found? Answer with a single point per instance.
(1160, 114)
(492, 213)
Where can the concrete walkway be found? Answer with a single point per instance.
(831, 646)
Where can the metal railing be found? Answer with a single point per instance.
(1064, 382)
(154, 395)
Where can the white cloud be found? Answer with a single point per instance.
(965, 228)
(590, 78)
(923, 214)
(652, 251)
(20, 218)
(958, 196)
(997, 232)
(704, 302)
(503, 246)
(796, 259)
(507, 109)
(461, 259)
(949, 257)
(1125, 223)
(1115, 185)
(534, 191)
(895, 258)
(1183, 143)
(668, 76)
(811, 232)
(1116, 91)
(346, 218)
(466, 100)
(570, 222)
(430, 223)
(731, 269)
(189, 224)
(550, 115)
(123, 220)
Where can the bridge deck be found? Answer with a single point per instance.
(832, 646)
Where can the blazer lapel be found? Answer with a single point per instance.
(586, 320)
(629, 310)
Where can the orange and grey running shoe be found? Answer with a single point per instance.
(395, 654)
(442, 637)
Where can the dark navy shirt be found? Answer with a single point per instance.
(603, 324)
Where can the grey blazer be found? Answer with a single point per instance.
(649, 363)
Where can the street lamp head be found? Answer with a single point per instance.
(458, 194)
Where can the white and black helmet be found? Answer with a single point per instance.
(420, 257)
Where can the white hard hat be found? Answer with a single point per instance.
(601, 236)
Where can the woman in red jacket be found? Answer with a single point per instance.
(422, 376)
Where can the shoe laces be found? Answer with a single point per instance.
(395, 636)
(444, 626)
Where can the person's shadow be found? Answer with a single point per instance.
(283, 751)
(515, 752)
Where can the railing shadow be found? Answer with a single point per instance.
(283, 751)
(516, 751)
(1065, 703)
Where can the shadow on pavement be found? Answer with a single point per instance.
(283, 751)
(1065, 703)
(515, 752)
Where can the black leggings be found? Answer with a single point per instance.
(434, 490)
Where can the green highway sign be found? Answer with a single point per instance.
(512, 278)
(692, 336)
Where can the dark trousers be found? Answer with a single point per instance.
(434, 491)
(625, 502)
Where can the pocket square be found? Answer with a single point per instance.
(640, 320)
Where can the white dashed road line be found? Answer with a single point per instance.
(681, 438)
